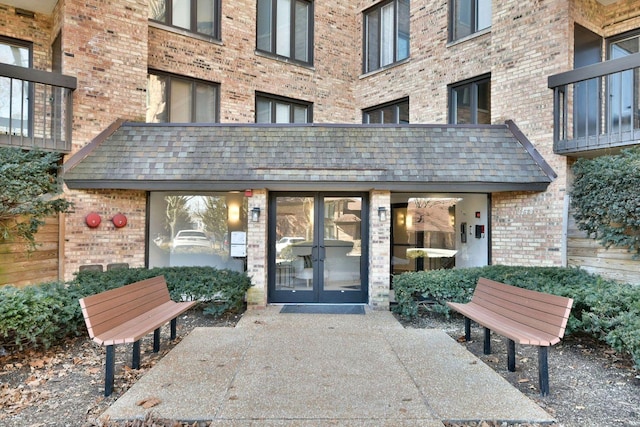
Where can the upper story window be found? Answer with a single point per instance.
(394, 112)
(469, 17)
(285, 28)
(15, 108)
(386, 34)
(181, 100)
(197, 16)
(275, 109)
(470, 101)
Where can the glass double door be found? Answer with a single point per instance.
(317, 248)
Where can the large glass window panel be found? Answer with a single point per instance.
(180, 101)
(623, 89)
(14, 94)
(300, 114)
(156, 99)
(403, 29)
(206, 17)
(283, 23)
(205, 103)
(263, 111)
(386, 36)
(188, 229)
(302, 31)
(483, 15)
(484, 103)
(181, 13)
(264, 25)
(282, 113)
(158, 10)
(373, 34)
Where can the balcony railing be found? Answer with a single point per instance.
(35, 108)
(597, 107)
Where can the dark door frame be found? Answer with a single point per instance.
(318, 295)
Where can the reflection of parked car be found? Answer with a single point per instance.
(191, 238)
(286, 241)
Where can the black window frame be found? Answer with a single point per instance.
(473, 84)
(168, 21)
(380, 109)
(272, 50)
(194, 82)
(376, 9)
(282, 100)
(473, 24)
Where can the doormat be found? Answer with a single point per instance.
(324, 309)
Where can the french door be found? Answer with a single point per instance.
(318, 247)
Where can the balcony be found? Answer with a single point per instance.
(597, 108)
(35, 109)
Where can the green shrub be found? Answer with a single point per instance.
(604, 309)
(41, 315)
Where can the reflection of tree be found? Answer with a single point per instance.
(214, 217)
(177, 214)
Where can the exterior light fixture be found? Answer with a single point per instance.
(255, 214)
(382, 214)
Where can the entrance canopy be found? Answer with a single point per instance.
(221, 157)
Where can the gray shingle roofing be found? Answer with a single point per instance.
(317, 156)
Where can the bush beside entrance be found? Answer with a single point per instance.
(605, 309)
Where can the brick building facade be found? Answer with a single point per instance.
(112, 48)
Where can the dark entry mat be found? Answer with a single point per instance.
(324, 309)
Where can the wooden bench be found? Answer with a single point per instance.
(522, 316)
(126, 314)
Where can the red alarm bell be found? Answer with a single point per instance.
(93, 220)
(119, 220)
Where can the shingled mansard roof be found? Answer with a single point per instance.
(219, 157)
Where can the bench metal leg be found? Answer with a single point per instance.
(109, 370)
(467, 329)
(173, 328)
(543, 370)
(487, 341)
(135, 357)
(511, 355)
(156, 340)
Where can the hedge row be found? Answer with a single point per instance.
(605, 309)
(40, 315)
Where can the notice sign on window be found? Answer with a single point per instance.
(238, 247)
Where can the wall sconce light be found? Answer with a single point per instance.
(382, 213)
(255, 214)
(234, 214)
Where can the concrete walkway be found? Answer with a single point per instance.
(318, 369)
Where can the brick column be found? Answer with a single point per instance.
(379, 251)
(257, 251)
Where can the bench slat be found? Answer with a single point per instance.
(552, 304)
(136, 328)
(524, 315)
